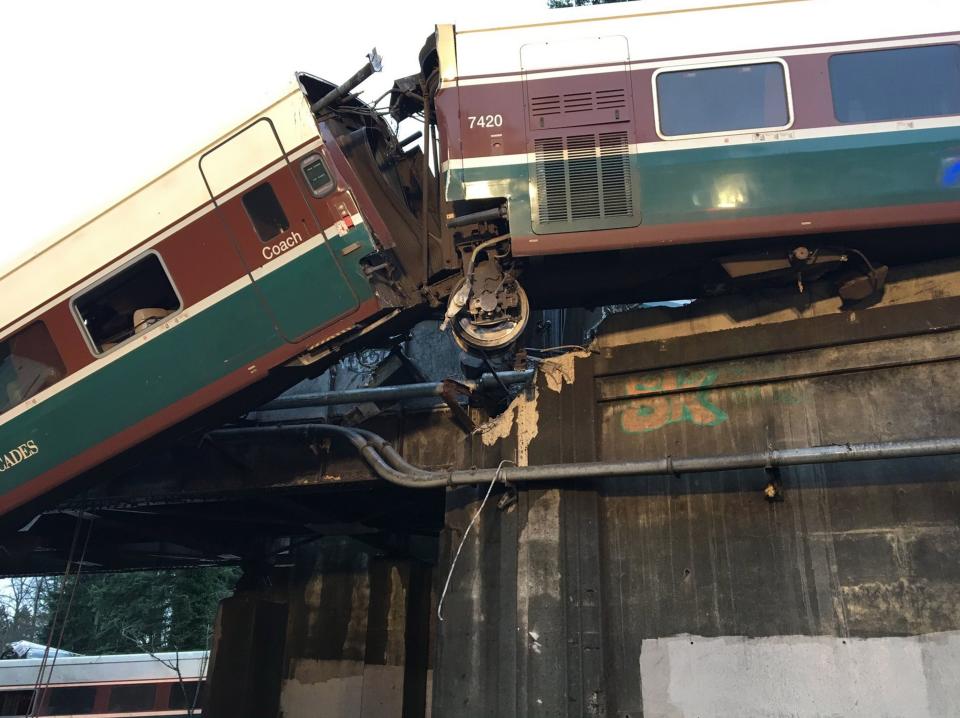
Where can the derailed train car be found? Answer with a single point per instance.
(122, 686)
(311, 227)
(248, 256)
(664, 124)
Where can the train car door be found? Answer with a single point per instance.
(276, 230)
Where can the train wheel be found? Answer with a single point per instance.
(493, 327)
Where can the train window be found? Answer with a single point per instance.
(127, 303)
(132, 698)
(265, 212)
(896, 84)
(15, 703)
(318, 177)
(69, 701)
(718, 100)
(29, 363)
(185, 695)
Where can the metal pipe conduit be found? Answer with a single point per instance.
(374, 64)
(392, 393)
(387, 463)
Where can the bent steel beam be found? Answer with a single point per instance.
(393, 393)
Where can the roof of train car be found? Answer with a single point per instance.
(663, 29)
(49, 268)
(544, 15)
(136, 667)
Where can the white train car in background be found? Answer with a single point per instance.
(119, 686)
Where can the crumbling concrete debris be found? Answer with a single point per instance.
(522, 413)
(561, 370)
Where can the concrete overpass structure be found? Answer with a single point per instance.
(823, 589)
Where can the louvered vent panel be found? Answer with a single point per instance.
(546, 105)
(614, 99)
(583, 177)
(615, 174)
(578, 102)
(575, 108)
(551, 180)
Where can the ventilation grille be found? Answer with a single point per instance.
(545, 106)
(576, 102)
(583, 177)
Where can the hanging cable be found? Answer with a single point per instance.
(39, 687)
(34, 700)
(463, 539)
(73, 593)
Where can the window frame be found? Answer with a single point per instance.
(4, 414)
(112, 708)
(21, 695)
(52, 691)
(888, 48)
(85, 333)
(712, 66)
(179, 688)
(265, 182)
(327, 189)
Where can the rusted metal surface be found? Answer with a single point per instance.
(452, 392)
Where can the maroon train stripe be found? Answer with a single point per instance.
(812, 104)
(204, 256)
(134, 248)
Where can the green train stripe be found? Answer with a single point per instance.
(762, 178)
(203, 348)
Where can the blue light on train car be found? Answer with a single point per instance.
(950, 174)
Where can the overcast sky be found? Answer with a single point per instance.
(100, 96)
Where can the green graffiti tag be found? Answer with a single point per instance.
(656, 412)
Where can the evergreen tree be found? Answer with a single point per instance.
(152, 611)
(23, 602)
(193, 604)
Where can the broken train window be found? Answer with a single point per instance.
(127, 303)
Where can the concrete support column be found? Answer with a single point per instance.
(344, 633)
(522, 634)
(357, 637)
(244, 679)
